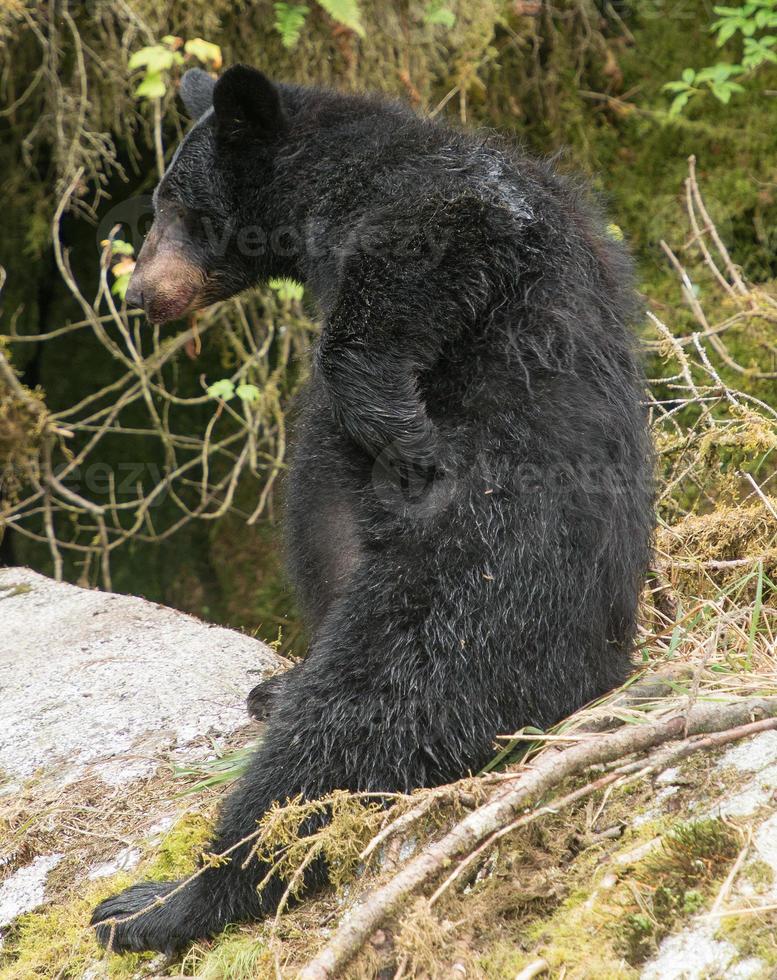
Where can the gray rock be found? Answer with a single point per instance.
(102, 687)
(110, 682)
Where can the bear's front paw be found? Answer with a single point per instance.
(260, 699)
(145, 916)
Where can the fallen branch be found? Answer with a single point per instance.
(721, 723)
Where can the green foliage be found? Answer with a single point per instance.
(287, 289)
(157, 60)
(119, 247)
(678, 880)
(693, 853)
(123, 268)
(438, 12)
(223, 389)
(238, 956)
(749, 20)
(289, 21)
(290, 18)
(248, 393)
(120, 285)
(226, 767)
(204, 51)
(345, 12)
(718, 79)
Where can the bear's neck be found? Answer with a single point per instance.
(318, 221)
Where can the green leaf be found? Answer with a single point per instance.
(688, 76)
(118, 247)
(345, 12)
(152, 87)
(718, 73)
(615, 232)
(437, 13)
(756, 52)
(120, 285)
(287, 289)
(289, 21)
(248, 393)
(675, 87)
(679, 103)
(224, 389)
(204, 51)
(675, 640)
(154, 59)
(755, 616)
(726, 31)
(722, 93)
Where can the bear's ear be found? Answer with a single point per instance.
(197, 92)
(247, 104)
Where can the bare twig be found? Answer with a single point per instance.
(506, 802)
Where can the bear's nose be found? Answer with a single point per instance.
(134, 294)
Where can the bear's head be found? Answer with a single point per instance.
(202, 246)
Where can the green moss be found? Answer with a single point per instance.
(233, 956)
(759, 874)
(503, 961)
(577, 938)
(674, 883)
(58, 942)
(753, 935)
(617, 911)
(181, 846)
(692, 852)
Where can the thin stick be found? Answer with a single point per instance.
(509, 799)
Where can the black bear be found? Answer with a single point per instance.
(469, 510)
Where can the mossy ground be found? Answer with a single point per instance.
(57, 941)
(591, 891)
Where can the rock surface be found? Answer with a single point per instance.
(103, 690)
(110, 681)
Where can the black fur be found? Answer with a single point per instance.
(470, 506)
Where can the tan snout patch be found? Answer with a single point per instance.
(166, 282)
(170, 284)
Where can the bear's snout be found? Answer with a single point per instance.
(166, 283)
(134, 295)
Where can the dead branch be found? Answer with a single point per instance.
(721, 722)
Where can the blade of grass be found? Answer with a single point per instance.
(755, 617)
